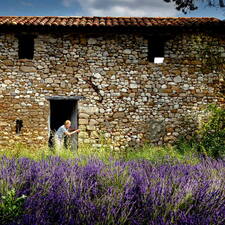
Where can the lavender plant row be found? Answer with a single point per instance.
(136, 192)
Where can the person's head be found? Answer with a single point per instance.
(67, 124)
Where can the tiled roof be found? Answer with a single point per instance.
(54, 21)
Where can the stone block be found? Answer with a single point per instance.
(133, 85)
(177, 79)
(69, 69)
(92, 41)
(7, 82)
(93, 122)
(169, 138)
(166, 90)
(118, 115)
(2, 124)
(59, 67)
(83, 121)
(28, 69)
(97, 75)
(17, 106)
(94, 134)
(49, 80)
(127, 51)
(89, 109)
(8, 62)
(83, 135)
(91, 127)
(84, 115)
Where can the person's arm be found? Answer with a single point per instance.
(73, 132)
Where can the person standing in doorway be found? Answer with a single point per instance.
(61, 133)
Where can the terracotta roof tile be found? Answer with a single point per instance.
(106, 21)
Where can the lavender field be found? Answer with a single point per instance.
(136, 192)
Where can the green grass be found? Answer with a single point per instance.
(37, 153)
(160, 154)
(106, 154)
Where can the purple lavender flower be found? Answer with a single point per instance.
(137, 192)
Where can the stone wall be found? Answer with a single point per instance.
(128, 99)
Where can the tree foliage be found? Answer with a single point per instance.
(190, 5)
(212, 132)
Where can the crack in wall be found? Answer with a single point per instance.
(95, 87)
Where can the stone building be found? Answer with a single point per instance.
(130, 80)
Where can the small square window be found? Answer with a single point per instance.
(26, 47)
(19, 125)
(156, 47)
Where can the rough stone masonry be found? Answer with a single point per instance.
(126, 98)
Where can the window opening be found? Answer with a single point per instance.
(19, 125)
(156, 46)
(26, 47)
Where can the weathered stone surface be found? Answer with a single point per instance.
(28, 69)
(97, 75)
(59, 67)
(119, 115)
(127, 51)
(133, 85)
(126, 97)
(7, 82)
(91, 127)
(92, 41)
(177, 79)
(93, 122)
(49, 80)
(8, 62)
(84, 115)
(69, 69)
(155, 129)
(94, 134)
(83, 121)
(83, 135)
(3, 124)
(89, 110)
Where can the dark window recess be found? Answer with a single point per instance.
(19, 125)
(26, 47)
(156, 47)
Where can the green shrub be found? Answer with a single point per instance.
(10, 207)
(212, 132)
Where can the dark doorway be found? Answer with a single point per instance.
(60, 111)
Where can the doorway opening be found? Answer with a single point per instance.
(60, 111)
